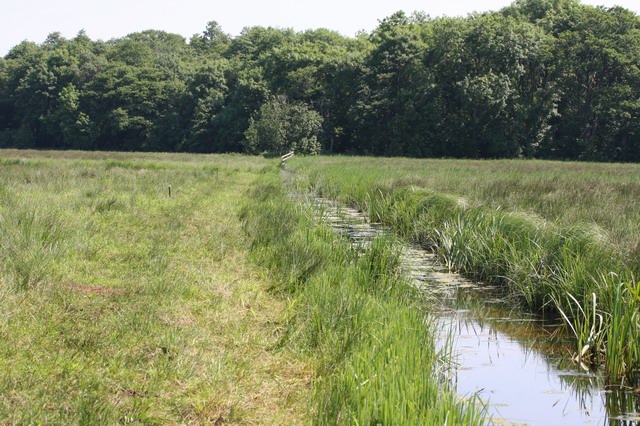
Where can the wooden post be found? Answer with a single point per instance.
(285, 157)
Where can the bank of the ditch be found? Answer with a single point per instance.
(352, 312)
(566, 269)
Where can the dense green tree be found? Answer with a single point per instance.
(206, 94)
(247, 91)
(508, 95)
(544, 13)
(68, 124)
(280, 126)
(599, 57)
(255, 44)
(212, 41)
(379, 114)
(539, 78)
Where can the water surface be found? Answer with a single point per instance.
(519, 364)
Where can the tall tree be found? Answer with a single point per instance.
(280, 126)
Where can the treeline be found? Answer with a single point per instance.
(540, 78)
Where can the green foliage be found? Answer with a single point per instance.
(212, 40)
(375, 357)
(280, 126)
(540, 78)
(72, 127)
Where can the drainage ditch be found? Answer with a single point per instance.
(517, 363)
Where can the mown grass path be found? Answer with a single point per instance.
(122, 304)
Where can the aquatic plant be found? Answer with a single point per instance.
(560, 237)
(353, 313)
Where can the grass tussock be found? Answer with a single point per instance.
(30, 241)
(560, 237)
(351, 312)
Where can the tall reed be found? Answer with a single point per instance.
(570, 269)
(376, 359)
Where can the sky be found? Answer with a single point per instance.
(105, 19)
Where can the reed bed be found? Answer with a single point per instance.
(376, 361)
(561, 237)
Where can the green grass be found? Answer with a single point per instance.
(602, 197)
(560, 236)
(122, 305)
(375, 360)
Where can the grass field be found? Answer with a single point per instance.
(189, 289)
(176, 288)
(122, 304)
(560, 236)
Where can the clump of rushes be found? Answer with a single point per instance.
(572, 269)
(30, 239)
(376, 359)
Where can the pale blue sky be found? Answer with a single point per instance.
(104, 19)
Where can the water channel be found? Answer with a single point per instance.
(516, 362)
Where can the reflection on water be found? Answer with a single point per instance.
(517, 363)
(522, 384)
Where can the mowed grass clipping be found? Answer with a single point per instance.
(562, 237)
(121, 304)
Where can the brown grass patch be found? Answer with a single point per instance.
(93, 289)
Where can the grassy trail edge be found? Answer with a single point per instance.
(375, 356)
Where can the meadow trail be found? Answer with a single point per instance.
(120, 304)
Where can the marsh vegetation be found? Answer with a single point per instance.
(224, 299)
(562, 238)
(120, 304)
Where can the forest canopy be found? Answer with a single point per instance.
(539, 78)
